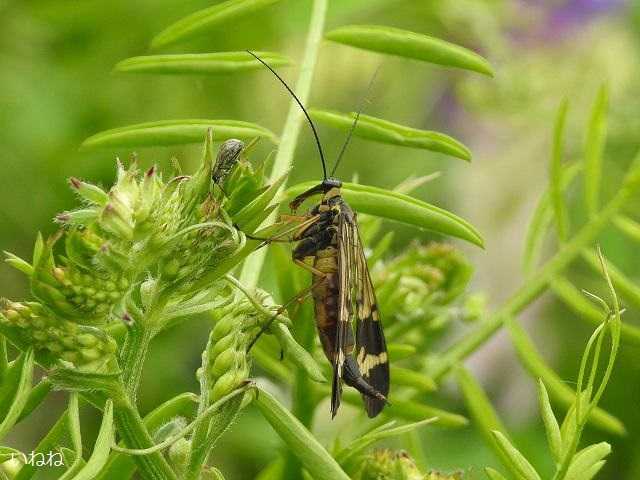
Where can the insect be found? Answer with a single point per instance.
(226, 160)
(329, 246)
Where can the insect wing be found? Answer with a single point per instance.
(371, 347)
(344, 334)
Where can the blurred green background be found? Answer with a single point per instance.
(56, 89)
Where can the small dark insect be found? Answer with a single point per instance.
(329, 246)
(227, 159)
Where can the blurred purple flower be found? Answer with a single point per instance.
(577, 11)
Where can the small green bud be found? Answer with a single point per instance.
(89, 192)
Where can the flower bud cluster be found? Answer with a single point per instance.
(384, 464)
(423, 278)
(225, 360)
(142, 231)
(88, 348)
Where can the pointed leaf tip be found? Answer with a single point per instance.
(404, 43)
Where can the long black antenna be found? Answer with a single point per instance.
(304, 110)
(355, 121)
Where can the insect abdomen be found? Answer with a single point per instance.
(326, 296)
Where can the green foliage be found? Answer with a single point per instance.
(136, 259)
(199, 63)
(384, 131)
(403, 43)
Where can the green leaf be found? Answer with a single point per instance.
(175, 132)
(123, 466)
(625, 285)
(36, 397)
(404, 43)
(298, 355)
(518, 464)
(593, 149)
(400, 351)
(556, 168)
(383, 131)
(254, 213)
(551, 426)
(20, 390)
(18, 263)
(541, 220)
(102, 447)
(408, 409)
(586, 459)
(412, 378)
(586, 310)
(347, 454)
(300, 441)
(481, 410)
(73, 423)
(222, 14)
(493, 474)
(402, 208)
(200, 63)
(628, 226)
(558, 389)
(47, 444)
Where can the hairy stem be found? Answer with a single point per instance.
(289, 140)
(135, 435)
(537, 284)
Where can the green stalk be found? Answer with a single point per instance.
(289, 139)
(134, 354)
(540, 281)
(135, 435)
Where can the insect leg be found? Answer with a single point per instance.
(298, 298)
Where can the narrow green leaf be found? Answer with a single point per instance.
(408, 44)
(36, 397)
(626, 286)
(493, 474)
(298, 355)
(73, 425)
(47, 444)
(359, 445)
(555, 173)
(558, 389)
(200, 63)
(175, 132)
(300, 441)
(408, 409)
(123, 466)
(541, 220)
(482, 412)
(400, 351)
(18, 263)
(518, 464)
(628, 226)
(586, 310)
(402, 208)
(586, 459)
(383, 131)
(253, 214)
(222, 14)
(22, 388)
(551, 426)
(102, 447)
(593, 149)
(592, 471)
(412, 378)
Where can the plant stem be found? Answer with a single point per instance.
(134, 354)
(135, 435)
(289, 139)
(539, 282)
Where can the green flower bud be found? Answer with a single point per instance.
(91, 193)
(87, 347)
